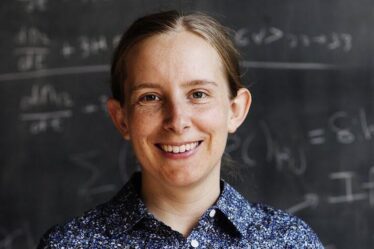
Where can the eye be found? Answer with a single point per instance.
(149, 98)
(199, 95)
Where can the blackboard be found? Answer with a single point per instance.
(306, 146)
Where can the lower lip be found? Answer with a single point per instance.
(182, 155)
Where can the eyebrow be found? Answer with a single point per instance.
(187, 84)
(144, 85)
(199, 82)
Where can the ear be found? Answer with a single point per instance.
(239, 108)
(118, 116)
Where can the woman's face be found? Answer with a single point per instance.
(177, 108)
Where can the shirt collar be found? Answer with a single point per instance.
(236, 208)
(129, 208)
(126, 207)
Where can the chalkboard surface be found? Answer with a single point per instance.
(306, 147)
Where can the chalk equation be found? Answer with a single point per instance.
(345, 128)
(351, 190)
(285, 157)
(349, 194)
(33, 46)
(53, 108)
(266, 36)
(90, 187)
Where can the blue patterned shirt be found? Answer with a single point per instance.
(232, 222)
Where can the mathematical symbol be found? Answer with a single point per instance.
(276, 34)
(335, 42)
(240, 37)
(367, 129)
(347, 38)
(320, 39)
(317, 136)
(293, 40)
(258, 37)
(305, 40)
(370, 185)
(310, 200)
(349, 196)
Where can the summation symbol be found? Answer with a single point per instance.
(90, 188)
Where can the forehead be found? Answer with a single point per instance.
(174, 56)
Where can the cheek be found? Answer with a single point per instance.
(143, 122)
(213, 119)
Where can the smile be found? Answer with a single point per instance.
(179, 149)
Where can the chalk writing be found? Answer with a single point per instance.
(283, 156)
(346, 128)
(59, 106)
(349, 194)
(266, 36)
(45, 95)
(370, 186)
(90, 188)
(93, 107)
(92, 46)
(310, 200)
(32, 49)
(317, 136)
(32, 37)
(40, 122)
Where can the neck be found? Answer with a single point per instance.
(180, 207)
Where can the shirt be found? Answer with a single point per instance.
(232, 222)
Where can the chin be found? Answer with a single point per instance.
(185, 179)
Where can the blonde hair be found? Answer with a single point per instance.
(159, 23)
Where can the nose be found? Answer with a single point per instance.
(177, 117)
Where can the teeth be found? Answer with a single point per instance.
(175, 149)
(179, 149)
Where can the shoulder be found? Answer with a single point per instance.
(76, 232)
(263, 226)
(280, 229)
(100, 226)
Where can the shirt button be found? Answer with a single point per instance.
(194, 243)
(212, 213)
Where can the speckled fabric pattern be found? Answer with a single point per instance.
(232, 222)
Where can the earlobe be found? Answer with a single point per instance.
(239, 108)
(117, 114)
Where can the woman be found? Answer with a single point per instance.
(176, 96)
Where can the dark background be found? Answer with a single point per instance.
(306, 146)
